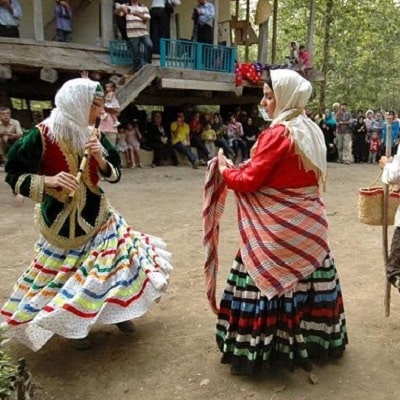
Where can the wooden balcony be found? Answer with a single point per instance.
(34, 70)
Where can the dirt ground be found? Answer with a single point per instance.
(173, 355)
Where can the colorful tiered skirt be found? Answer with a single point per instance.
(115, 277)
(305, 323)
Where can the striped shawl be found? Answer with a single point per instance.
(283, 234)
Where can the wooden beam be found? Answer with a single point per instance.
(208, 76)
(142, 79)
(64, 56)
(197, 85)
(107, 11)
(38, 27)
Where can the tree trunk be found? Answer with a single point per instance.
(325, 60)
(310, 34)
(274, 31)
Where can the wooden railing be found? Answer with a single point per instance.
(197, 56)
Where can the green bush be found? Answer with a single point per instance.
(8, 373)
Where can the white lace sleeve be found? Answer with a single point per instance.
(391, 172)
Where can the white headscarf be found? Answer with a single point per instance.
(69, 121)
(292, 93)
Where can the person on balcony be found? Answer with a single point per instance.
(137, 16)
(120, 19)
(160, 12)
(203, 20)
(10, 14)
(63, 14)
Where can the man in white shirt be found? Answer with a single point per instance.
(137, 16)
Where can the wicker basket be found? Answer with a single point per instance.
(370, 205)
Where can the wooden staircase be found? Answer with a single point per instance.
(136, 83)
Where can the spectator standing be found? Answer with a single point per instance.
(360, 138)
(180, 138)
(369, 117)
(10, 14)
(203, 22)
(343, 137)
(392, 121)
(10, 131)
(120, 19)
(137, 17)
(63, 14)
(373, 148)
(160, 13)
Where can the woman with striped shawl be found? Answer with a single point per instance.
(282, 303)
(89, 267)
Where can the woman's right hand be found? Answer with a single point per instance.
(63, 179)
(222, 162)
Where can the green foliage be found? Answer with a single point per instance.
(8, 373)
(364, 51)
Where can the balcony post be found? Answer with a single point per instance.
(38, 31)
(107, 12)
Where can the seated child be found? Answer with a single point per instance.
(125, 148)
(209, 136)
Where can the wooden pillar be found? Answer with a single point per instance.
(246, 32)
(216, 20)
(38, 32)
(262, 56)
(107, 12)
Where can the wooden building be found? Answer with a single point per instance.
(34, 66)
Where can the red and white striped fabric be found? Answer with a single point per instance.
(283, 234)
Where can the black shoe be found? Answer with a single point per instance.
(237, 370)
(126, 326)
(81, 344)
(396, 282)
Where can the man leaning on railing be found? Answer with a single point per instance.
(10, 14)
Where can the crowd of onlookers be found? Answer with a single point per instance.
(359, 138)
(195, 137)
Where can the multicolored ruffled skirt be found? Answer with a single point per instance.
(305, 323)
(115, 277)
